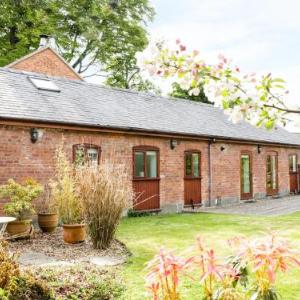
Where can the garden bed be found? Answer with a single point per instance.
(53, 246)
(83, 281)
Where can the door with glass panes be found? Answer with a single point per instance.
(293, 173)
(272, 173)
(246, 176)
(146, 178)
(192, 178)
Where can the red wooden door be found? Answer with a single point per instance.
(146, 178)
(272, 173)
(192, 178)
(246, 176)
(293, 173)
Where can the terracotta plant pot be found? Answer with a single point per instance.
(74, 234)
(48, 221)
(18, 227)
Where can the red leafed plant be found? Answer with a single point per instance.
(163, 276)
(250, 273)
(265, 257)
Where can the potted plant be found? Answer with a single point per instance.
(47, 212)
(20, 205)
(64, 194)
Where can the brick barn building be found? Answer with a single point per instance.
(178, 152)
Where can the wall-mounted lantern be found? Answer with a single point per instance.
(258, 149)
(173, 144)
(34, 135)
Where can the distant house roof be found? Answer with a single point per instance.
(80, 103)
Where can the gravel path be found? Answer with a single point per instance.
(266, 207)
(49, 250)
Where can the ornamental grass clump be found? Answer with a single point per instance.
(63, 190)
(104, 193)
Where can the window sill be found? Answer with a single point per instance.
(145, 179)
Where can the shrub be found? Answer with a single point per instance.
(63, 190)
(26, 287)
(105, 193)
(84, 282)
(8, 265)
(249, 274)
(16, 286)
(21, 197)
(136, 214)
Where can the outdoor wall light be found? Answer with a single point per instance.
(258, 149)
(222, 148)
(34, 135)
(173, 144)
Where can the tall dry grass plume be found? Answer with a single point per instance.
(63, 190)
(105, 193)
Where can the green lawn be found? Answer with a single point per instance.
(144, 236)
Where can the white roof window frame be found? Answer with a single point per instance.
(44, 84)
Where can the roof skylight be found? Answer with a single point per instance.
(44, 84)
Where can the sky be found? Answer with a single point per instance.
(258, 35)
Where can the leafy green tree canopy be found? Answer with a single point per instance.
(178, 92)
(90, 34)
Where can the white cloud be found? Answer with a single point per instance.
(259, 35)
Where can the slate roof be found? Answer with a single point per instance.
(85, 104)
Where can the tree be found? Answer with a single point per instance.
(88, 33)
(257, 99)
(123, 72)
(178, 92)
(21, 23)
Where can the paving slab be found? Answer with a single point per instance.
(39, 259)
(265, 207)
(106, 261)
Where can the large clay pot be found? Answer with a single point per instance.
(18, 227)
(48, 221)
(74, 234)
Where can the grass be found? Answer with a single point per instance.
(144, 236)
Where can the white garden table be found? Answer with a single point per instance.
(4, 221)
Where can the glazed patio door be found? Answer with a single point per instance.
(246, 176)
(293, 173)
(272, 174)
(146, 178)
(192, 178)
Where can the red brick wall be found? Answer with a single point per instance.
(19, 159)
(46, 62)
(226, 169)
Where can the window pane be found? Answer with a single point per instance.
(245, 174)
(188, 164)
(274, 173)
(79, 156)
(293, 163)
(151, 164)
(269, 172)
(139, 164)
(92, 156)
(195, 157)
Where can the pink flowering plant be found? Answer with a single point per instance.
(249, 273)
(258, 99)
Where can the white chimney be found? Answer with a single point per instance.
(46, 41)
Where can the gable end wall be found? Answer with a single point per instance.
(46, 62)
